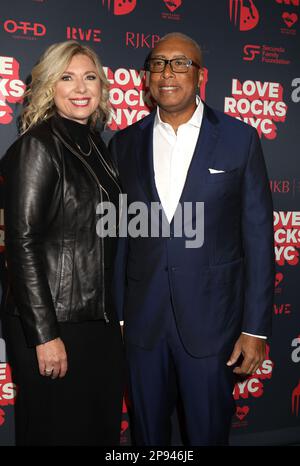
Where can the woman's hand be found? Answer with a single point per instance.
(52, 358)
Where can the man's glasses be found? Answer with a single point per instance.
(178, 65)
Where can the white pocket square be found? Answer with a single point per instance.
(213, 170)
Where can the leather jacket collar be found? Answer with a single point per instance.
(59, 129)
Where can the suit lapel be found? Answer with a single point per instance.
(203, 155)
(144, 154)
(202, 158)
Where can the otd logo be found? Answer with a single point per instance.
(121, 7)
(244, 14)
(172, 5)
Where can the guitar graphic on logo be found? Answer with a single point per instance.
(121, 7)
(244, 13)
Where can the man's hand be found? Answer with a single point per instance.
(252, 349)
(52, 358)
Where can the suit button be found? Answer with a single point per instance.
(166, 269)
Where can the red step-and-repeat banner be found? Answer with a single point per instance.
(252, 72)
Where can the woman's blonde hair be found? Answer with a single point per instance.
(39, 96)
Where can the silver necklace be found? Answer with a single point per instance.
(88, 153)
(106, 166)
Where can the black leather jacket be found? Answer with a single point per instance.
(55, 258)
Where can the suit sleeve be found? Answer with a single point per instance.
(113, 148)
(30, 180)
(258, 243)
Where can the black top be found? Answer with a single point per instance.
(80, 134)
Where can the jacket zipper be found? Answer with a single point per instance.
(100, 188)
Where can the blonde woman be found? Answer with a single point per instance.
(63, 337)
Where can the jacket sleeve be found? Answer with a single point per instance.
(119, 276)
(30, 179)
(258, 243)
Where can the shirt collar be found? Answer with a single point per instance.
(195, 120)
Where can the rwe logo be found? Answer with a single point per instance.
(77, 33)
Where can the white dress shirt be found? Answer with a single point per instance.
(172, 155)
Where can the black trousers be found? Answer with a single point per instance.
(82, 408)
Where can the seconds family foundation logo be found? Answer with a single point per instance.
(11, 88)
(257, 103)
(265, 54)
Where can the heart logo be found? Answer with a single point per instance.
(173, 4)
(242, 412)
(124, 426)
(289, 18)
(278, 278)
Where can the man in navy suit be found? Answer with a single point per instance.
(193, 316)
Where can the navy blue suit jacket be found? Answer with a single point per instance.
(222, 288)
